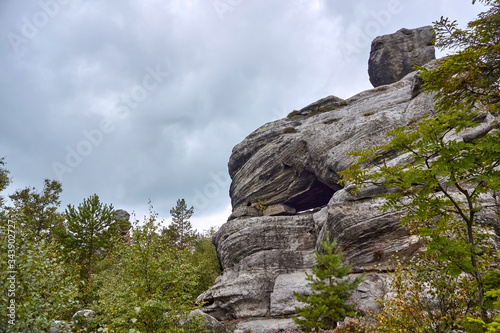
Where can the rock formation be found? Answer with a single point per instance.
(122, 215)
(285, 196)
(395, 55)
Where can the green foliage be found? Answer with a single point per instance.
(180, 232)
(44, 287)
(204, 258)
(151, 285)
(427, 298)
(261, 206)
(331, 288)
(441, 184)
(4, 178)
(471, 75)
(88, 235)
(37, 211)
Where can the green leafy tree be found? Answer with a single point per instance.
(426, 298)
(441, 187)
(204, 258)
(470, 76)
(88, 233)
(331, 289)
(37, 211)
(37, 287)
(150, 287)
(180, 232)
(4, 179)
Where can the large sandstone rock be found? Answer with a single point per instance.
(286, 196)
(300, 169)
(395, 55)
(264, 258)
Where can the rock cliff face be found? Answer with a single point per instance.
(264, 258)
(285, 196)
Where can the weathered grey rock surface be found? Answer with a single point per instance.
(395, 55)
(264, 258)
(286, 195)
(122, 215)
(59, 326)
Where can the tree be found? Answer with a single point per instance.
(37, 211)
(88, 232)
(204, 258)
(441, 187)
(150, 286)
(36, 286)
(331, 288)
(471, 76)
(180, 232)
(4, 179)
(426, 298)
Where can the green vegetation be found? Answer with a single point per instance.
(135, 277)
(440, 189)
(331, 288)
(180, 232)
(149, 284)
(87, 235)
(37, 212)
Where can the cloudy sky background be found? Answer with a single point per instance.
(145, 99)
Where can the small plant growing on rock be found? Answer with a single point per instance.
(331, 288)
(378, 254)
(261, 206)
(289, 130)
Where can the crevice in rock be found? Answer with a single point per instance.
(316, 195)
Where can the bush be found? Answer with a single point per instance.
(44, 288)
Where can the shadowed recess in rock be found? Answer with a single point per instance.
(315, 195)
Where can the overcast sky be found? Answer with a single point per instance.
(145, 99)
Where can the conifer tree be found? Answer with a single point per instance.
(180, 232)
(88, 232)
(331, 288)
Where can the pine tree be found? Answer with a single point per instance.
(331, 288)
(88, 232)
(180, 232)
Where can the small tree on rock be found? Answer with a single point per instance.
(331, 289)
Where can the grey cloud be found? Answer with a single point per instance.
(228, 73)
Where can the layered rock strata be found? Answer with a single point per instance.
(264, 258)
(286, 195)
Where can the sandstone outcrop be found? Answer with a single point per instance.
(264, 258)
(395, 55)
(286, 195)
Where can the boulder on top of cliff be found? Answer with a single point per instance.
(395, 55)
